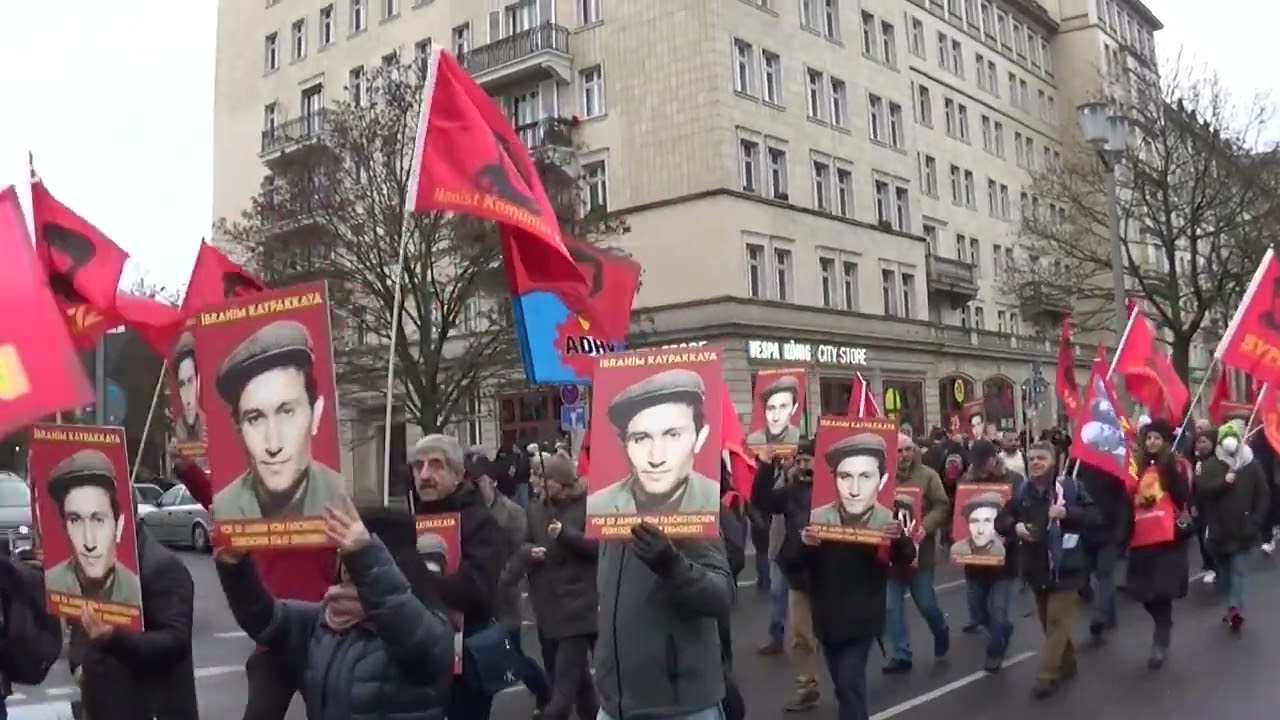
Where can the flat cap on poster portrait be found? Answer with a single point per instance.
(430, 543)
(184, 348)
(282, 343)
(905, 500)
(784, 383)
(678, 385)
(982, 500)
(861, 444)
(81, 468)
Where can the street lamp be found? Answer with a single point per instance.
(1108, 134)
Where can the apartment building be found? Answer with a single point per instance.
(830, 183)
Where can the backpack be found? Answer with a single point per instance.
(30, 638)
(734, 529)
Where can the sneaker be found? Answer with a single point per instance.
(1210, 577)
(805, 698)
(1158, 657)
(942, 644)
(897, 666)
(1043, 689)
(1097, 633)
(993, 664)
(972, 628)
(773, 647)
(1268, 547)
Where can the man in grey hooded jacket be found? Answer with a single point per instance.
(658, 652)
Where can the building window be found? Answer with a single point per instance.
(901, 209)
(979, 318)
(844, 192)
(827, 281)
(876, 117)
(975, 255)
(924, 106)
(831, 19)
(883, 193)
(895, 126)
(931, 237)
(596, 178)
(422, 53)
(270, 119)
(908, 294)
(356, 85)
(298, 36)
(772, 77)
(271, 52)
(461, 37)
(358, 19)
(782, 274)
(821, 186)
(868, 34)
(839, 103)
(390, 9)
(755, 271)
(949, 116)
(997, 131)
(849, 285)
(956, 189)
(889, 291)
(970, 193)
(814, 79)
(915, 38)
(778, 173)
(593, 102)
(749, 153)
(888, 44)
(929, 175)
(962, 121)
(312, 105)
(985, 123)
(993, 207)
(328, 33)
(589, 12)
(743, 59)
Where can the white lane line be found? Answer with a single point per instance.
(16, 697)
(60, 691)
(231, 634)
(945, 689)
(216, 670)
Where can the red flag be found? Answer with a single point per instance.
(215, 278)
(1068, 389)
(584, 459)
(40, 372)
(1149, 377)
(1219, 398)
(83, 265)
(1100, 438)
(862, 402)
(469, 160)
(742, 466)
(157, 323)
(1252, 340)
(611, 284)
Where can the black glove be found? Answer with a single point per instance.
(654, 549)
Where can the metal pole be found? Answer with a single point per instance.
(1117, 254)
(391, 372)
(100, 381)
(146, 426)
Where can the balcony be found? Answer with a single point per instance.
(527, 56)
(1044, 301)
(293, 135)
(286, 215)
(955, 279)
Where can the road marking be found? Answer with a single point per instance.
(231, 634)
(216, 670)
(58, 691)
(17, 697)
(948, 688)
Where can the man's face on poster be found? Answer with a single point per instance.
(189, 390)
(858, 483)
(93, 529)
(661, 443)
(276, 421)
(982, 526)
(778, 410)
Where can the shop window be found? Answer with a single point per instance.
(529, 417)
(953, 392)
(999, 402)
(834, 394)
(903, 402)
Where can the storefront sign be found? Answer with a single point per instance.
(792, 351)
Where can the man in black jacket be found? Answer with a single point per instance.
(470, 594)
(127, 675)
(1105, 545)
(990, 588)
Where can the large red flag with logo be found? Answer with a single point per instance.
(1100, 438)
(1252, 340)
(82, 264)
(862, 402)
(1148, 374)
(469, 160)
(156, 322)
(1067, 387)
(40, 372)
(215, 279)
(605, 300)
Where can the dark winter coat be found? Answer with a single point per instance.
(846, 585)
(396, 665)
(1160, 572)
(144, 675)
(1030, 506)
(562, 587)
(1114, 506)
(792, 500)
(473, 589)
(1234, 513)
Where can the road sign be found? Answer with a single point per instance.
(571, 394)
(573, 417)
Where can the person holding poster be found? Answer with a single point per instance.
(189, 422)
(975, 525)
(668, 429)
(856, 454)
(777, 412)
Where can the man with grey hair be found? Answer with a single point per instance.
(441, 486)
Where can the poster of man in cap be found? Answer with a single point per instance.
(183, 381)
(777, 411)
(272, 426)
(974, 524)
(853, 482)
(440, 548)
(655, 443)
(85, 520)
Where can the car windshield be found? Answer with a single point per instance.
(14, 493)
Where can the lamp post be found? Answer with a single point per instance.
(1108, 134)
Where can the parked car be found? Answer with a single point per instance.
(178, 520)
(147, 496)
(17, 532)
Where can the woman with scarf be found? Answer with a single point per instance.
(1158, 566)
(372, 648)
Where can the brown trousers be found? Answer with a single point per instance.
(804, 646)
(1057, 610)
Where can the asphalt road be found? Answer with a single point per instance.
(1210, 672)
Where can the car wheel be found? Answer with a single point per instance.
(199, 538)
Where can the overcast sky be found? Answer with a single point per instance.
(115, 101)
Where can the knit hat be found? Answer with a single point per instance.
(1163, 428)
(1228, 430)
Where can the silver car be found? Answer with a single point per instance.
(179, 520)
(16, 529)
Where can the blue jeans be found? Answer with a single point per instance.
(847, 664)
(920, 583)
(777, 604)
(714, 712)
(764, 580)
(527, 672)
(989, 600)
(521, 497)
(1233, 579)
(1102, 568)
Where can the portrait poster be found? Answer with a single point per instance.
(271, 410)
(655, 438)
(973, 524)
(777, 411)
(440, 548)
(84, 519)
(908, 510)
(854, 478)
(182, 382)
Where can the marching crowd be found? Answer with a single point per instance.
(640, 630)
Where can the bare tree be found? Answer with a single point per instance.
(1197, 209)
(333, 208)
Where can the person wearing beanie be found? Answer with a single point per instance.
(1203, 446)
(376, 645)
(1157, 568)
(1234, 496)
(935, 514)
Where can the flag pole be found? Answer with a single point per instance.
(1257, 403)
(146, 426)
(391, 371)
(1123, 339)
(1195, 399)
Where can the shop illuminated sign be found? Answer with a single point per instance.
(793, 351)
